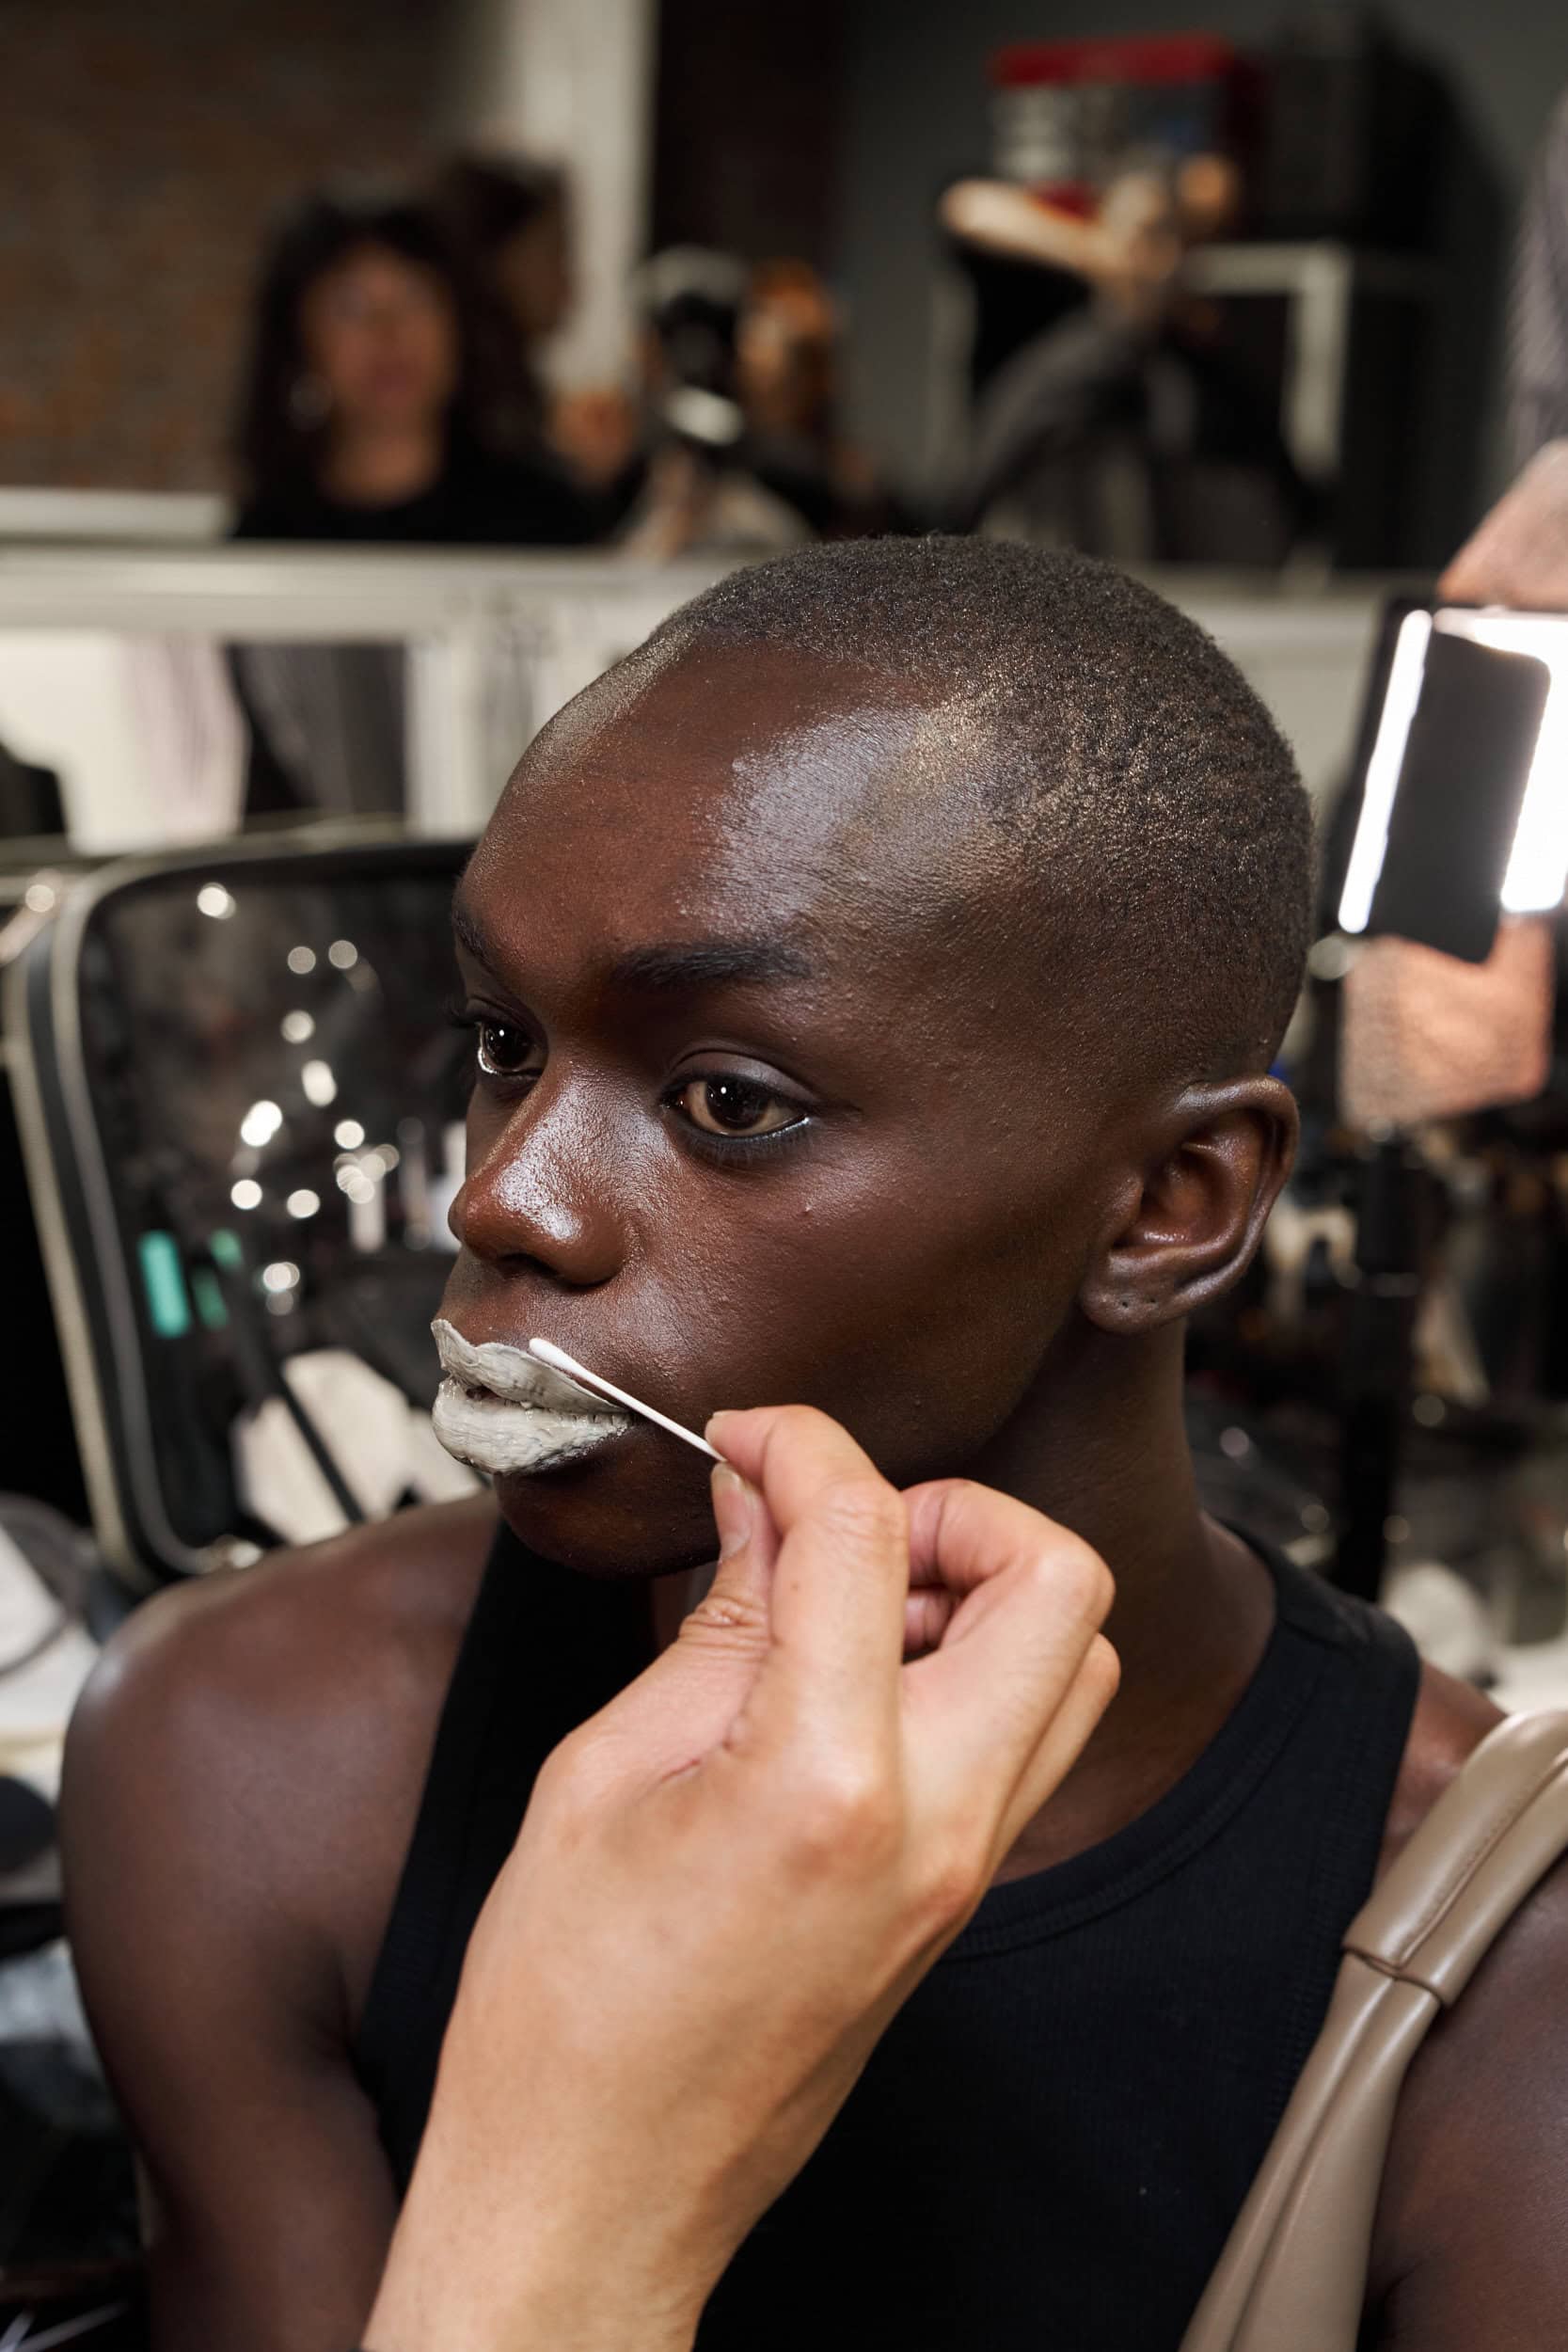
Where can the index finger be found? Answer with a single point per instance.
(1031, 1596)
(841, 1576)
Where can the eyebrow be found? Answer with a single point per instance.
(691, 964)
(469, 934)
(668, 966)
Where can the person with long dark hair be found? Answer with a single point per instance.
(379, 401)
(508, 217)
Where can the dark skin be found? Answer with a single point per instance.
(865, 1151)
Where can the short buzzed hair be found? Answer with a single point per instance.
(1129, 763)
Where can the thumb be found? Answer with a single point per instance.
(748, 1547)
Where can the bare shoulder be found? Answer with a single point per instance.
(1450, 1719)
(330, 1615)
(1471, 2241)
(276, 1724)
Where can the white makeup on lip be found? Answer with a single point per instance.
(557, 1358)
(503, 1410)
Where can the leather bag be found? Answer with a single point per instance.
(1294, 2269)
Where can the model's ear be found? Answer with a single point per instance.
(1187, 1231)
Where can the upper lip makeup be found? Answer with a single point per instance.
(504, 1411)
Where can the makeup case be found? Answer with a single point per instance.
(239, 1103)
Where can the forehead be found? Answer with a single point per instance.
(730, 791)
(370, 263)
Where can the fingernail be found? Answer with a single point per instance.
(733, 1506)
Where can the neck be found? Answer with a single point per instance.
(376, 465)
(1101, 1447)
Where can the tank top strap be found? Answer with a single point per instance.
(1312, 1749)
(544, 1649)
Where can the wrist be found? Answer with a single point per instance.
(582, 2315)
(492, 2287)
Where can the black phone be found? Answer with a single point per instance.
(1463, 763)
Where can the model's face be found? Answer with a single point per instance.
(379, 334)
(768, 1107)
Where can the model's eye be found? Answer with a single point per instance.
(505, 1051)
(735, 1106)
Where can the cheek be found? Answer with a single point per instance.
(436, 344)
(341, 354)
(918, 1325)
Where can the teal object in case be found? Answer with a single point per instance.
(164, 1281)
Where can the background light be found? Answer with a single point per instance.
(1538, 865)
(1537, 872)
(260, 1123)
(1403, 694)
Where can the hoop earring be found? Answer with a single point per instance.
(309, 403)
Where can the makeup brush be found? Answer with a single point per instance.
(547, 1353)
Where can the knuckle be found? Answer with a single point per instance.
(1080, 1579)
(798, 1431)
(1102, 1669)
(799, 1424)
(953, 1882)
(846, 1816)
(860, 1511)
(562, 1783)
(561, 1766)
(726, 1620)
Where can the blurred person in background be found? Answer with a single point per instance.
(1117, 423)
(380, 398)
(787, 345)
(1538, 322)
(740, 372)
(696, 493)
(511, 219)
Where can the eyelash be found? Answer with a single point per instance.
(722, 1150)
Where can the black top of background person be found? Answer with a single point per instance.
(479, 499)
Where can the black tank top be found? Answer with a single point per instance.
(1053, 2138)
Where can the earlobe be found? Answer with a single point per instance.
(1188, 1231)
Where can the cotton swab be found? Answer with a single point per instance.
(547, 1353)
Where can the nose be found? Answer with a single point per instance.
(537, 1196)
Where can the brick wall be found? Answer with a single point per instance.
(144, 145)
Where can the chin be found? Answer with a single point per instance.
(603, 1526)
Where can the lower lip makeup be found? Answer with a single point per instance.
(501, 1410)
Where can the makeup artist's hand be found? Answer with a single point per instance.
(1518, 554)
(726, 1884)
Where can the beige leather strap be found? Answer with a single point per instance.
(1294, 2269)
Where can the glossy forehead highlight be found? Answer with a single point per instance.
(836, 772)
(714, 819)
